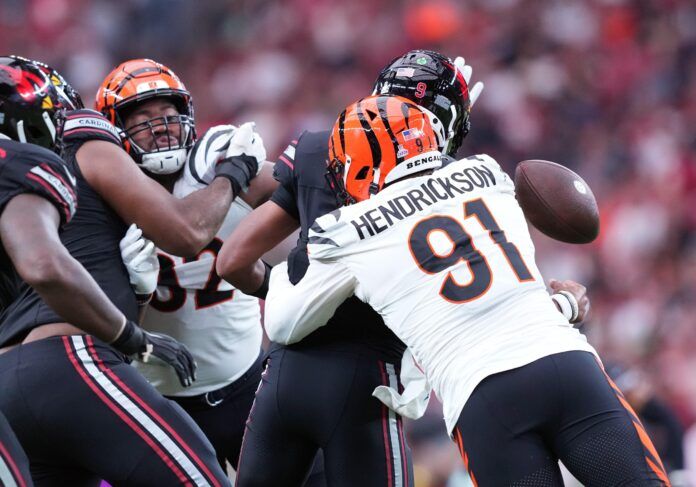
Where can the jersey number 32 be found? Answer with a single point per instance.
(204, 298)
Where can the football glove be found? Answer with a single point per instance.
(466, 70)
(207, 152)
(140, 258)
(243, 158)
(134, 341)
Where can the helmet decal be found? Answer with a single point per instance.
(31, 103)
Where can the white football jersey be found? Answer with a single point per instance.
(219, 324)
(448, 262)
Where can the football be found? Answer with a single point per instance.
(557, 201)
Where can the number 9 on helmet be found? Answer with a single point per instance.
(376, 141)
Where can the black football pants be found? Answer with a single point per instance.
(517, 425)
(322, 399)
(223, 417)
(83, 414)
(14, 465)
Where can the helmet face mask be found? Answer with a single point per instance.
(432, 81)
(377, 141)
(334, 175)
(31, 106)
(158, 157)
(130, 86)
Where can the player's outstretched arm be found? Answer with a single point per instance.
(239, 259)
(29, 232)
(294, 311)
(178, 226)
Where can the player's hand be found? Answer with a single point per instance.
(578, 291)
(140, 258)
(134, 341)
(246, 141)
(172, 353)
(207, 152)
(243, 158)
(466, 70)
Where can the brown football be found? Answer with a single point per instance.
(557, 201)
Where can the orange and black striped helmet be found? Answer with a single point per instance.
(376, 141)
(138, 80)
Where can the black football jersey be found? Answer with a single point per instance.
(91, 237)
(28, 168)
(305, 194)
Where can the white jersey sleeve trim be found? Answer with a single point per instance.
(294, 311)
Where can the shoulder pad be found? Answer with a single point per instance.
(485, 158)
(309, 164)
(285, 165)
(83, 125)
(32, 169)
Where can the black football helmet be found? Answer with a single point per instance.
(432, 81)
(31, 106)
(67, 92)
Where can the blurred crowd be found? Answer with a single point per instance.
(606, 87)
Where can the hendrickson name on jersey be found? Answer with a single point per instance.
(432, 190)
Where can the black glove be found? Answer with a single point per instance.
(240, 170)
(133, 340)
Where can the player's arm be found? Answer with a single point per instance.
(178, 226)
(267, 226)
(239, 259)
(261, 188)
(29, 231)
(294, 311)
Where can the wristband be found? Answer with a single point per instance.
(568, 305)
(237, 170)
(131, 340)
(262, 291)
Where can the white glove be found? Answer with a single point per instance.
(474, 91)
(206, 152)
(413, 402)
(140, 258)
(248, 142)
